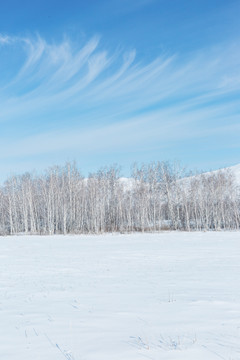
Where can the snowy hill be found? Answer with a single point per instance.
(235, 170)
(129, 183)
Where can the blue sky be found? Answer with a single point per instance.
(103, 82)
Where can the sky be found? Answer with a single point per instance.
(117, 81)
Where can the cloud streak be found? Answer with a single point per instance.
(75, 95)
(4, 39)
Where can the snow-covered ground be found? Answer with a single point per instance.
(120, 297)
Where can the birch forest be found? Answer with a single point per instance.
(157, 197)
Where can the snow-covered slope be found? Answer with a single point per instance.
(236, 172)
(129, 183)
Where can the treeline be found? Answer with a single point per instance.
(157, 197)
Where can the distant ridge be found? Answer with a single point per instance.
(129, 182)
(235, 170)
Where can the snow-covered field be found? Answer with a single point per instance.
(120, 297)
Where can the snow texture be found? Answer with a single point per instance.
(170, 295)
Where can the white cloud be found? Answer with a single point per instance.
(99, 95)
(4, 39)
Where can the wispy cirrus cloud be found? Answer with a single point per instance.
(4, 39)
(75, 95)
(61, 72)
